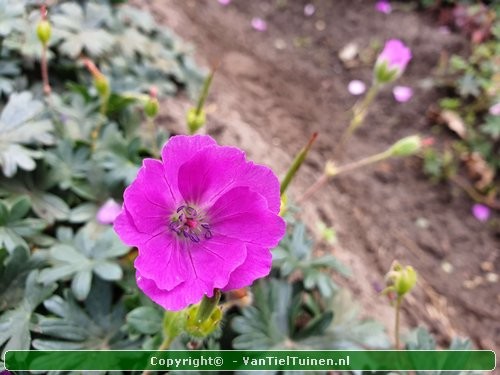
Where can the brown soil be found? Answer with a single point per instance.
(269, 100)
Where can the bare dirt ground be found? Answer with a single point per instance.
(274, 89)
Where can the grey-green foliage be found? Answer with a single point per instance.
(96, 325)
(14, 269)
(83, 29)
(421, 339)
(125, 42)
(21, 125)
(16, 324)
(78, 257)
(15, 227)
(294, 253)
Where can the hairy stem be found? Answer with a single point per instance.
(358, 115)
(325, 177)
(45, 71)
(397, 310)
(167, 341)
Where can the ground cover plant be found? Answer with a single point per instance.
(96, 196)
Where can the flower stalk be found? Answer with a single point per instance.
(196, 117)
(151, 108)
(296, 164)
(44, 32)
(101, 83)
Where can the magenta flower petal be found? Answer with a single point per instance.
(198, 217)
(259, 24)
(402, 93)
(395, 54)
(241, 213)
(224, 2)
(392, 61)
(256, 265)
(108, 212)
(383, 6)
(481, 212)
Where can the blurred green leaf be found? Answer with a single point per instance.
(78, 257)
(20, 125)
(15, 325)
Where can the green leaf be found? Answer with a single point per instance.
(81, 29)
(46, 205)
(14, 269)
(265, 324)
(492, 127)
(19, 126)
(11, 13)
(15, 325)
(78, 257)
(14, 227)
(96, 326)
(146, 320)
(347, 330)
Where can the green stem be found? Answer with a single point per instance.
(325, 177)
(204, 91)
(208, 304)
(397, 309)
(297, 162)
(359, 113)
(167, 341)
(45, 71)
(152, 131)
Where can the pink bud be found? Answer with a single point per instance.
(108, 212)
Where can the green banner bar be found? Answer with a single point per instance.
(232, 360)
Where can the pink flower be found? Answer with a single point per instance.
(481, 212)
(383, 6)
(202, 218)
(356, 87)
(495, 109)
(259, 24)
(108, 212)
(392, 61)
(402, 93)
(224, 2)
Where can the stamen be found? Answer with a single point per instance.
(189, 224)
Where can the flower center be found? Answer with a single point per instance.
(189, 223)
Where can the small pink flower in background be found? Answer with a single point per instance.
(392, 61)
(202, 218)
(259, 24)
(495, 109)
(383, 6)
(309, 10)
(224, 2)
(356, 87)
(402, 93)
(108, 212)
(481, 212)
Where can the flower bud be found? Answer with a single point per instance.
(44, 31)
(151, 107)
(401, 280)
(101, 84)
(199, 328)
(406, 146)
(391, 62)
(195, 120)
